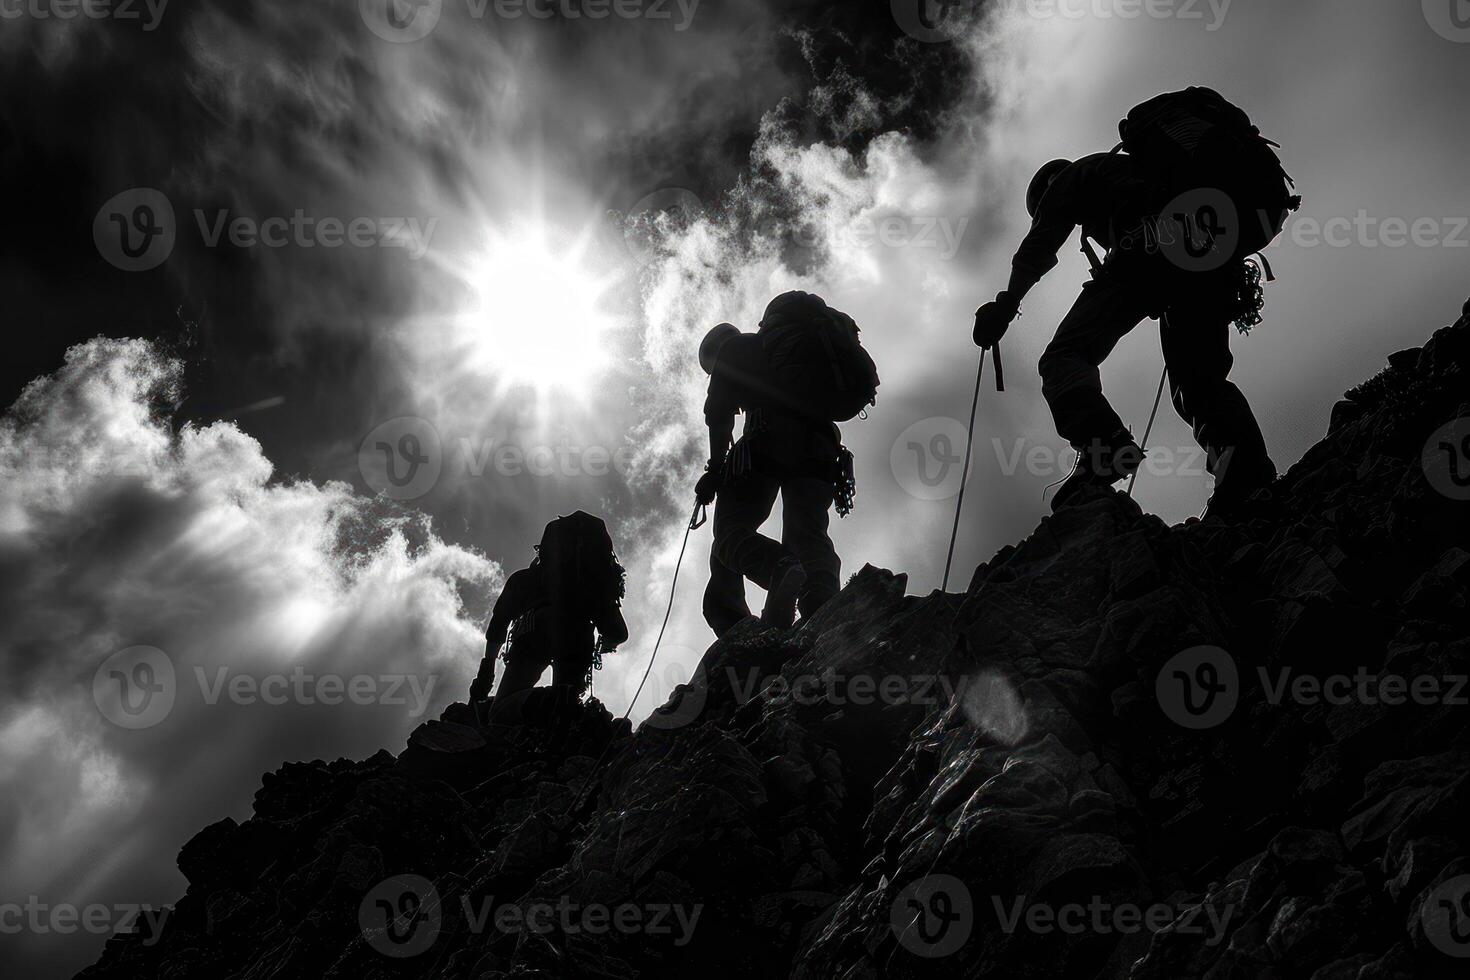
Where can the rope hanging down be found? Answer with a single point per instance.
(1149, 429)
(1000, 385)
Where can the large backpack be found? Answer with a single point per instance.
(578, 567)
(1199, 148)
(816, 357)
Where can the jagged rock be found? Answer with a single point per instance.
(999, 784)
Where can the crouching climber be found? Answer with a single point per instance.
(562, 612)
(802, 372)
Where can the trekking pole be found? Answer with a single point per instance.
(1148, 431)
(965, 473)
(696, 521)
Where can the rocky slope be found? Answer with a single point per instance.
(1130, 750)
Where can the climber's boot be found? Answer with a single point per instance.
(1237, 481)
(787, 582)
(1099, 466)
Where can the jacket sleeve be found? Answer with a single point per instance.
(1056, 217)
(512, 603)
(720, 408)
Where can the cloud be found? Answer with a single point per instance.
(118, 531)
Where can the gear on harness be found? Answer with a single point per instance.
(844, 490)
(1248, 293)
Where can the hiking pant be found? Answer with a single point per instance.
(741, 552)
(566, 648)
(1195, 334)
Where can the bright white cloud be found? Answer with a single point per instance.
(118, 531)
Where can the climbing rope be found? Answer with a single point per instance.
(1000, 385)
(1149, 429)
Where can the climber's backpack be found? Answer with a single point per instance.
(577, 563)
(1194, 144)
(816, 357)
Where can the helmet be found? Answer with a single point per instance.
(709, 347)
(1041, 182)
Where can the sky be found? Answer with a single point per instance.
(493, 249)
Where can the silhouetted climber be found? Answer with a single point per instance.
(801, 373)
(1176, 253)
(549, 611)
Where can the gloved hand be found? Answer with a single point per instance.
(709, 486)
(993, 319)
(480, 687)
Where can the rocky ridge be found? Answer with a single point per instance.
(1128, 750)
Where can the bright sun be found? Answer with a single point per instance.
(537, 317)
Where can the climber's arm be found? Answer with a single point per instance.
(510, 605)
(1055, 220)
(720, 409)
